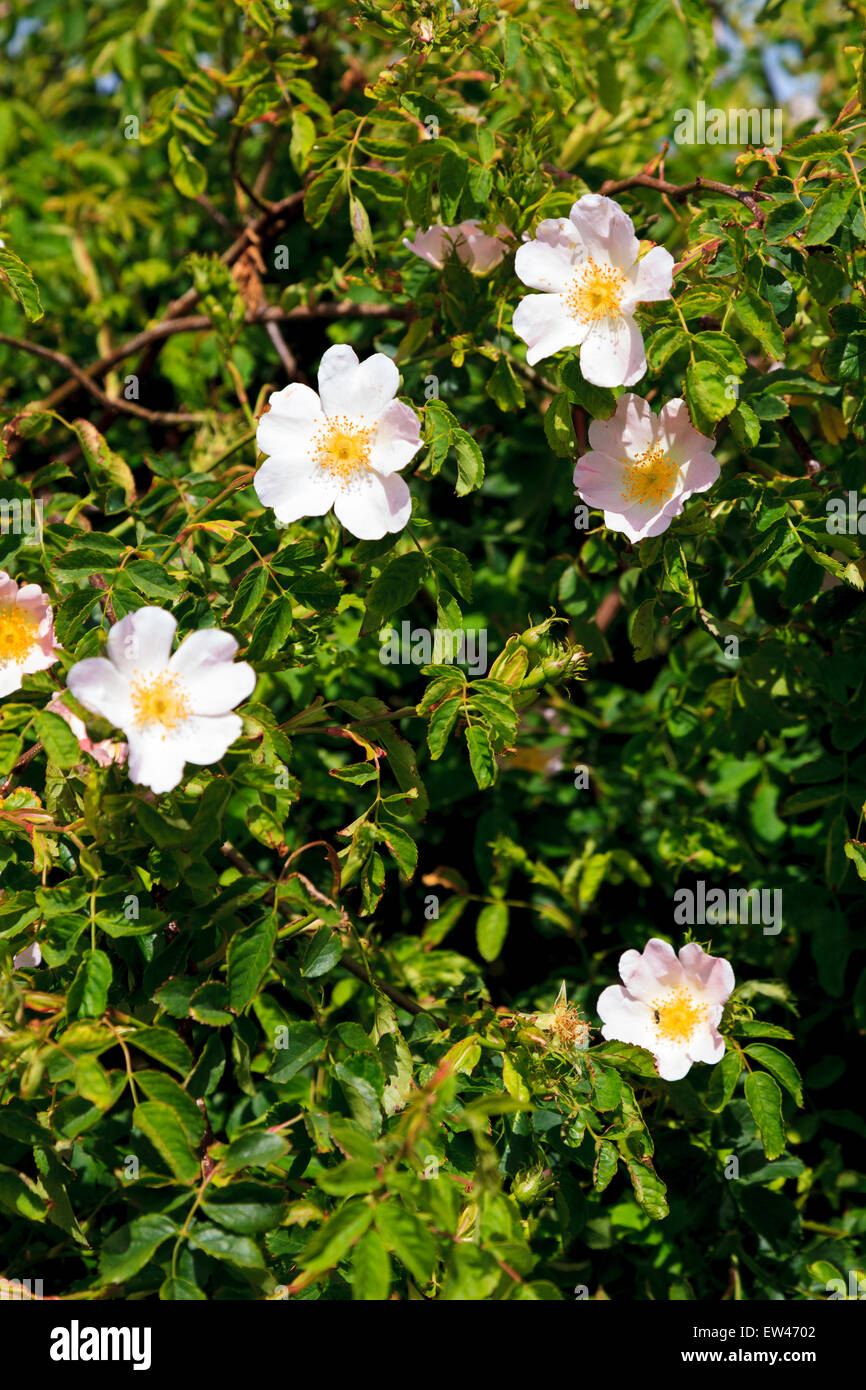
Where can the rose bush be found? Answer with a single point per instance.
(308, 951)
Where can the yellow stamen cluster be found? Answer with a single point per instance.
(596, 292)
(678, 1015)
(343, 448)
(160, 700)
(17, 632)
(648, 477)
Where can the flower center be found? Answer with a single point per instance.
(161, 700)
(677, 1016)
(648, 477)
(17, 632)
(596, 292)
(343, 448)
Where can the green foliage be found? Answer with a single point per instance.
(296, 1030)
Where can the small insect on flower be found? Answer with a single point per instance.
(669, 1004)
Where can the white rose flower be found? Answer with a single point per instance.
(478, 250)
(670, 1005)
(27, 641)
(642, 468)
(173, 709)
(342, 448)
(587, 266)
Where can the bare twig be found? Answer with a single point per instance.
(154, 417)
(680, 191)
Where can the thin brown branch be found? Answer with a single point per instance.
(116, 403)
(801, 448)
(680, 191)
(197, 323)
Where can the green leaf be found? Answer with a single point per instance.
(250, 954)
(401, 846)
(188, 175)
(57, 739)
(396, 586)
(441, 723)
(165, 1046)
(304, 1044)
(810, 146)
(336, 1237)
(724, 1078)
(360, 223)
(88, 993)
(626, 1057)
(481, 756)
(18, 1196)
(165, 1089)
(605, 1166)
(856, 852)
(92, 1082)
(765, 1102)
(606, 1087)
(179, 1290)
(247, 1208)
(18, 280)
(491, 930)
(223, 1245)
(470, 463)
(642, 629)
(784, 219)
(254, 1150)
(272, 629)
(161, 1125)
(558, 427)
(756, 1028)
(649, 1189)
(128, 1249)
(663, 344)
(757, 318)
(828, 210)
(407, 1238)
(371, 1269)
(323, 952)
(780, 1065)
(105, 468)
(322, 194)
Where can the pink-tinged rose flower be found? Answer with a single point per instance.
(478, 250)
(27, 642)
(106, 751)
(174, 709)
(342, 448)
(29, 958)
(643, 467)
(587, 267)
(670, 1005)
